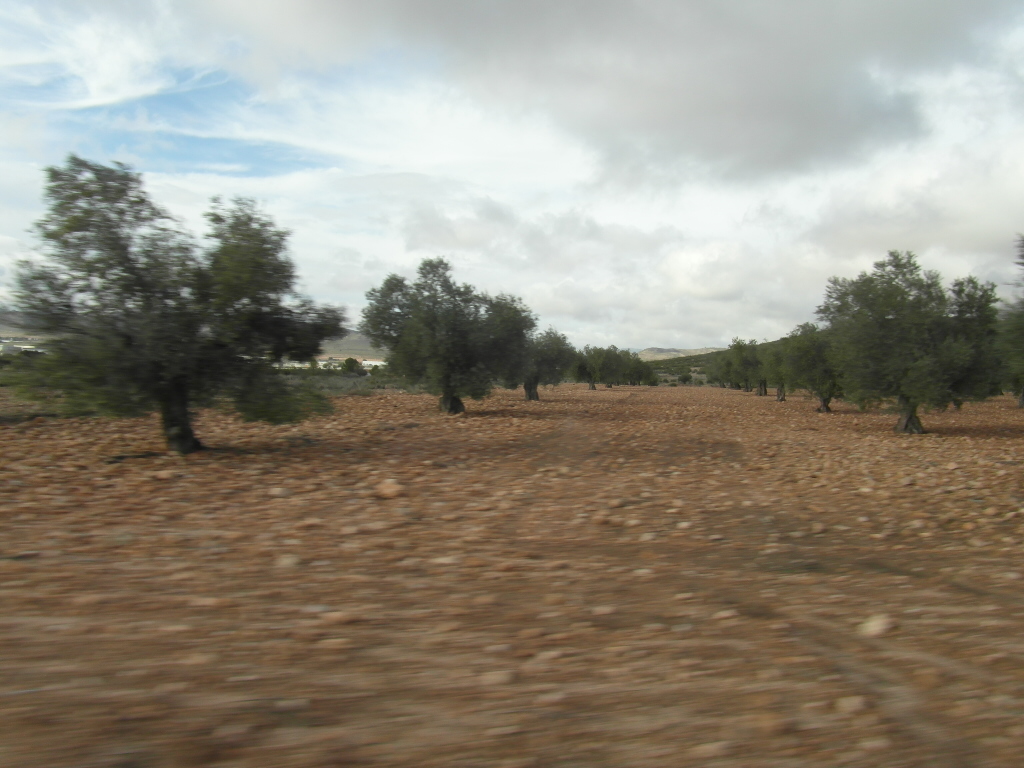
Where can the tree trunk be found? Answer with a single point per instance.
(530, 387)
(592, 385)
(1020, 399)
(450, 404)
(177, 422)
(909, 423)
(823, 404)
(762, 387)
(780, 393)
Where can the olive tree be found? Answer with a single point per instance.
(548, 359)
(141, 317)
(446, 336)
(1011, 337)
(807, 364)
(898, 333)
(746, 367)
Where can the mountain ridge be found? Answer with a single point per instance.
(667, 353)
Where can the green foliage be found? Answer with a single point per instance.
(446, 336)
(720, 369)
(550, 356)
(586, 366)
(745, 367)
(278, 399)
(638, 372)
(807, 363)
(548, 359)
(1011, 337)
(141, 317)
(351, 365)
(897, 333)
(771, 355)
(611, 366)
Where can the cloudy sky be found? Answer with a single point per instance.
(665, 173)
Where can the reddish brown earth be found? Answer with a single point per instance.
(627, 577)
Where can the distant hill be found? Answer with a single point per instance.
(662, 353)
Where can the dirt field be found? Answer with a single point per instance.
(626, 577)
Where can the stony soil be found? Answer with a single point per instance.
(626, 577)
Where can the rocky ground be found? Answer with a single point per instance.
(626, 577)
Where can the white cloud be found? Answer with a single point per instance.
(658, 173)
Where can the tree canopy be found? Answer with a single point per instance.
(446, 336)
(141, 317)
(898, 333)
(807, 363)
(548, 360)
(611, 366)
(1011, 336)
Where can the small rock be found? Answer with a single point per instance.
(771, 724)
(683, 525)
(206, 602)
(531, 632)
(497, 677)
(554, 697)
(728, 613)
(503, 730)
(447, 560)
(337, 617)
(334, 643)
(164, 474)
(197, 659)
(850, 705)
(602, 610)
(388, 489)
(874, 745)
(279, 493)
(291, 705)
(545, 656)
(876, 625)
(232, 732)
(818, 527)
(711, 749)
(287, 561)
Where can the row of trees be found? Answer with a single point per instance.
(141, 315)
(458, 342)
(896, 333)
